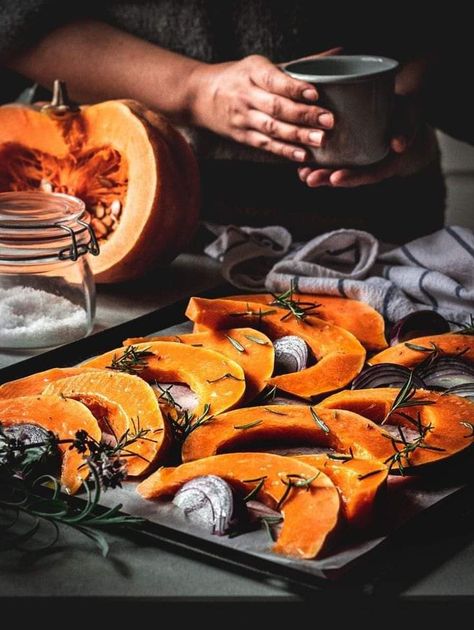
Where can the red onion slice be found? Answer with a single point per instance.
(208, 502)
(385, 375)
(418, 324)
(291, 354)
(446, 372)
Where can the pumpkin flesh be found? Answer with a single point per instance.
(447, 344)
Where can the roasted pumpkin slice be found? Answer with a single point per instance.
(215, 379)
(339, 356)
(130, 405)
(310, 512)
(447, 344)
(359, 318)
(438, 428)
(250, 348)
(263, 428)
(358, 481)
(64, 418)
(36, 383)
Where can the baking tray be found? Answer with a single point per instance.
(410, 507)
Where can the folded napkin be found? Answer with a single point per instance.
(434, 271)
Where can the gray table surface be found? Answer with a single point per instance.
(443, 562)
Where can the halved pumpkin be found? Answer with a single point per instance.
(358, 481)
(448, 420)
(359, 318)
(216, 380)
(130, 404)
(310, 513)
(126, 163)
(36, 383)
(64, 418)
(261, 428)
(447, 344)
(339, 356)
(250, 348)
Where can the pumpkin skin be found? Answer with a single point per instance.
(176, 362)
(340, 357)
(115, 151)
(130, 403)
(257, 359)
(61, 416)
(363, 321)
(445, 416)
(310, 514)
(448, 344)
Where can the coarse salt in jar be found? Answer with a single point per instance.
(47, 291)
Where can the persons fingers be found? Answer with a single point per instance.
(283, 131)
(318, 177)
(304, 172)
(350, 178)
(290, 111)
(264, 74)
(261, 141)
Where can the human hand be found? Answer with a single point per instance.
(254, 102)
(412, 146)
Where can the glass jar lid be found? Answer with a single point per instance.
(43, 227)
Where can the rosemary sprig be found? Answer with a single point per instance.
(294, 481)
(268, 523)
(253, 493)
(167, 396)
(319, 421)
(465, 329)
(250, 425)
(257, 340)
(132, 361)
(224, 376)
(300, 310)
(405, 398)
(183, 423)
(269, 395)
(237, 345)
(403, 448)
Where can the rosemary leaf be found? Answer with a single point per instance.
(369, 474)
(253, 493)
(132, 361)
(237, 345)
(250, 425)
(260, 342)
(277, 413)
(224, 376)
(319, 421)
(468, 425)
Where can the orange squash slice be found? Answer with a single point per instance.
(63, 418)
(216, 380)
(250, 348)
(130, 404)
(358, 481)
(249, 428)
(447, 344)
(446, 422)
(310, 513)
(339, 356)
(363, 321)
(36, 383)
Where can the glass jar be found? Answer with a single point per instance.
(47, 290)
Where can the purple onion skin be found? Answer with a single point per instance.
(418, 324)
(385, 375)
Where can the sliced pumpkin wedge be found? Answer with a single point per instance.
(310, 513)
(130, 405)
(339, 356)
(447, 344)
(36, 383)
(250, 348)
(437, 430)
(64, 418)
(250, 428)
(215, 379)
(358, 481)
(359, 318)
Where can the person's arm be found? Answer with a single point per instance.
(251, 101)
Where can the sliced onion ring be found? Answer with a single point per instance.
(385, 375)
(446, 372)
(418, 324)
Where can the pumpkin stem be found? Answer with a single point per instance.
(61, 105)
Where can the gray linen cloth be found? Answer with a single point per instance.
(435, 271)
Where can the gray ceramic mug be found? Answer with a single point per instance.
(359, 90)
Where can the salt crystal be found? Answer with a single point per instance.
(32, 318)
